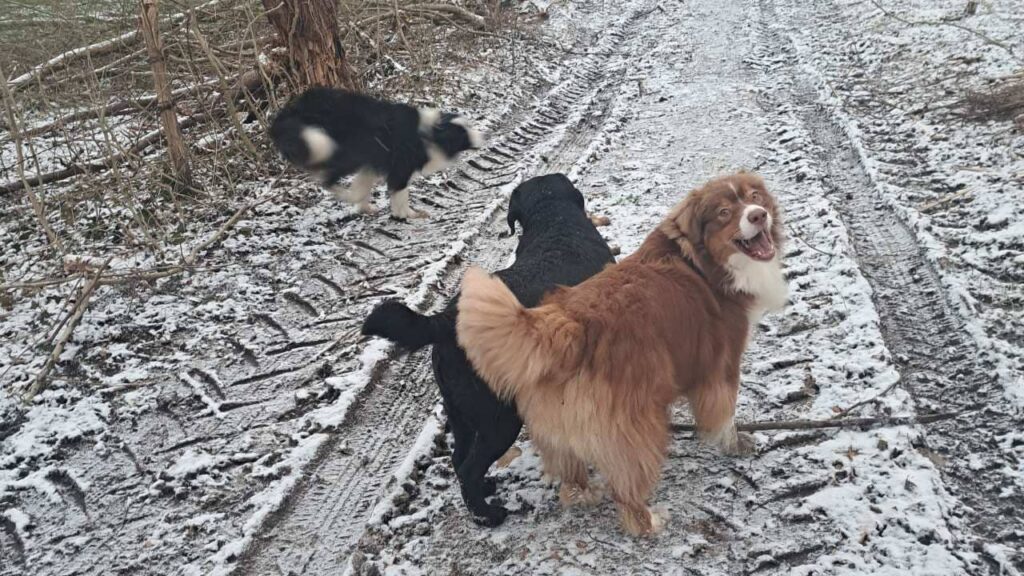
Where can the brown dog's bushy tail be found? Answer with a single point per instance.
(513, 348)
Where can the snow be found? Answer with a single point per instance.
(263, 504)
(190, 463)
(47, 425)
(180, 409)
(21, 521)
(420, 448)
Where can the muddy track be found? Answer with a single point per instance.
(934, 353)
(317, 528)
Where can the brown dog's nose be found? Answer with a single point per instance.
(757, 216)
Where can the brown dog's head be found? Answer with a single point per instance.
(730, 229)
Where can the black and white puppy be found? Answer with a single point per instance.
(334, 133)
(559, 246)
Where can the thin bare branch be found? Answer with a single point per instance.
(40, 382)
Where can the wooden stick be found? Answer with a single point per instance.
(116, 108)
(190, 260)
(58, 348)
(838, 423)
(165, 101)
(475, 20)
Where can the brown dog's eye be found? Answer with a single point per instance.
(724, 213)
(755, 196)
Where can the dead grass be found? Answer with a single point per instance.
(1003, 101)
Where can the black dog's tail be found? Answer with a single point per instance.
(407, 328)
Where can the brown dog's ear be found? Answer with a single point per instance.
(683, 226)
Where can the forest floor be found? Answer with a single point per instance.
(231, 419)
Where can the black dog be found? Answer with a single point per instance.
(559, 246)
(333, 133)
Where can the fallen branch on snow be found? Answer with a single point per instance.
(101, 164)
(838, 423)
(428, 11)
(58, 348)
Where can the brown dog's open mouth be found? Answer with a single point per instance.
(759, 247)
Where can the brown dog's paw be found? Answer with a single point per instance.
(575, 495)
(511, 454)
(659, 518)
(745, 445)
(645, 521)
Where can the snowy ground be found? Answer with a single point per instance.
(231, 419)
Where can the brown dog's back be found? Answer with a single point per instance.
(594, 369)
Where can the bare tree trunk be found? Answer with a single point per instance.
(309, 29)
(165, 100)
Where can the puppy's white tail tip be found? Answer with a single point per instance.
(321, 146)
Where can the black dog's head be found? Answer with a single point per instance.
(451, 132)
(535, 192)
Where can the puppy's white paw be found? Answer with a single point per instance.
(367, 208)
(408, 214)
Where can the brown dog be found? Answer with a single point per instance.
(595, 368)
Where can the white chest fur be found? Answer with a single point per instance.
(762, 280)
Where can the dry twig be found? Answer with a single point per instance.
(22, 182)
(58, 348)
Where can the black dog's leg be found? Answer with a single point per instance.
(463, 436)
(398, 192)
(501, 436)
(471, 476)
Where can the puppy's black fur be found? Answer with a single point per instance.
(334, 133)
(559, 246)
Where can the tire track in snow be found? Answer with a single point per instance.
(929, 341)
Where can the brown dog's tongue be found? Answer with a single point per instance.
(762, 245)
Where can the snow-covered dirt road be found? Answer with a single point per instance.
(241, 425)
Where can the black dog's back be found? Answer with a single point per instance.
(559, 246)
